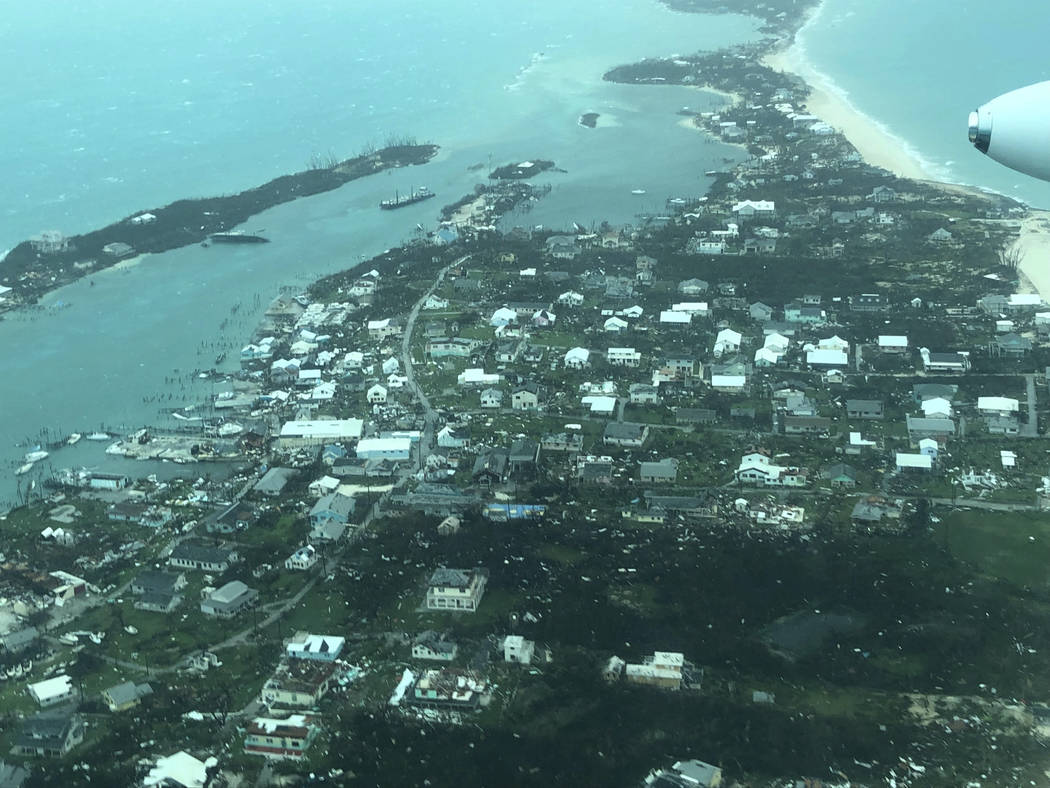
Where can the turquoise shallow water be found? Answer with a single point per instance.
(920, 67)
(197, 100)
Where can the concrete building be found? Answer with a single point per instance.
(229, 600)
(280, 738)
(430, 646)
(304, 434)
(663, 472)
(318, 648)
(518, 650)
(864, 409)
(299, 684)
(49, 735)
(51, 692)
(623, 356)
(384, 449)
(662, 669)
(625, 434)
(125, 696)
(456, 589)
(332, 508)
(302, 559)
(208, 559)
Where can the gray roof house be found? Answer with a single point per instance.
(490, 467)
(19, 640)
(50, 735)
(620, 433)
(664, 471)
(332, 507)
(523, 455)
(125, 696)
(864, 409)
(228, 601)
(12, 775)
(761, 312)
(210, 559)
(158, 581)
(274, 481)
(938, 429)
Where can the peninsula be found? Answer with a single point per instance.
(51, 260)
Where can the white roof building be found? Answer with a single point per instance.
(856, 439)
(920, 461)
(178, 769)
(312, 646)
(833, 343)
(728, 382)
(892, 342)
(749, 207)
(680, 318)
(323, 391)
(766, 356)
(937, 408)
(477, 377)
(827, 358)
(997, 404)
(503, 316)
(598, 404)
(615, 324)
(727, 341)
(51, 691)
(384, 448)
(577, 357)
(778, 343)
(321, 431)
(692, 307)
(1025, 300)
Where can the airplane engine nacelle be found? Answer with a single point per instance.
(1014, 129)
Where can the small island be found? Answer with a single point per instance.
(51, 260)
(589, 119)
(522, 170)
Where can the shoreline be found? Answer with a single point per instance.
(1033, 246)
(876, 144)
(880, 147)
(42, 265)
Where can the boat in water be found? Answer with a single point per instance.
(35, 456)
(73, 439)
(237, 237)
(98, 436)
(637, 191)
(417, 195)
(24, 469)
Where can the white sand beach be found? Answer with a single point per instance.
(1033, 244)
(872, 142)
(883, 150)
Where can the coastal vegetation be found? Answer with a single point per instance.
(39, 266)
(522, 170)
(910, 653)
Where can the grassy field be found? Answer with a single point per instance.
(1010, 546)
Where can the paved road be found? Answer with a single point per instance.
(1031, 429)
(426, 441)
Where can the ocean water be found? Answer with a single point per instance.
(919, 68)
(120, 107)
